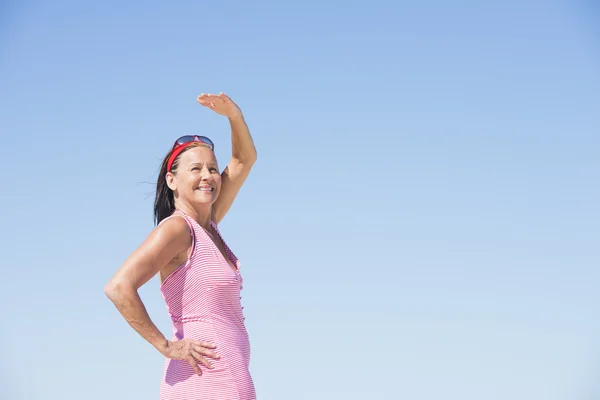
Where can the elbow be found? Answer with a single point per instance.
(251, 159)
(114, 290)
(110, 290)
(247, 161)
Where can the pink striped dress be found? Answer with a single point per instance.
(203, 300)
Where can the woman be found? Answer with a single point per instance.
(209, 353)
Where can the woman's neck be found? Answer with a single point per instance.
(201, 215)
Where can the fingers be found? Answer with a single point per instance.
(208, 98)
(206, 101)
(192, 361)
(202, 343)
(207, 95)
(210, 103)
(219, 103)
(205, 352)
(200, 359)
(197, 352)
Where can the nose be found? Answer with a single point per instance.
(205, 173)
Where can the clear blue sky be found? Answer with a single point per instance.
(422, 222)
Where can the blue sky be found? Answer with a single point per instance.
(422, 222)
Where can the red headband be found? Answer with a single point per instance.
(185, 141)
(176, 151)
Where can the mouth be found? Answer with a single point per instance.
(206, 188)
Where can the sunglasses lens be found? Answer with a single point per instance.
(184, 139)
(207, 141)
(194, 138)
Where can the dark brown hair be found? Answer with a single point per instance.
(164, 201)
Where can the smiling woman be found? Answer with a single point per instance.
(195, 163)
(200, 275)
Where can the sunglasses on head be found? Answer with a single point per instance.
(183, 142)
(194, 138)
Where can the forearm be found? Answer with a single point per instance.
(131, 307)
(241, 140)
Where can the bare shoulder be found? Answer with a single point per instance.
(175, 223)
(164, 244)
(174, 229)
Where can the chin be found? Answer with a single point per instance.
(206, 199)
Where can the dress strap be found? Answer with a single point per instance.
(190, 226)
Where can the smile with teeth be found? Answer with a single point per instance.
(206, 188)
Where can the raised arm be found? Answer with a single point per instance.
(243, 152)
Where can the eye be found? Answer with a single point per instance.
(213, 169)
(195, 168)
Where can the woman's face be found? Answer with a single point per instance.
(197, 180)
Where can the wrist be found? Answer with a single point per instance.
(236, 117)
(162, 346)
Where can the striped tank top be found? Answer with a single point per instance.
(203, 300)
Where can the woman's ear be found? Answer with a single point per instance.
(170, 178)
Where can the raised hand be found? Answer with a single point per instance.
(192, 351)
(221, 104)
